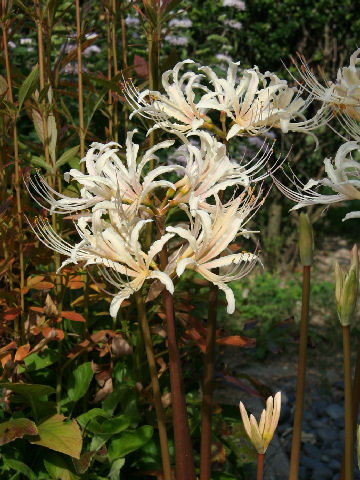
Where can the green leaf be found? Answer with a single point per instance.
(79, 382)
(115, 425)
(37, 361)
(91, 107)
(28, 86)
(116, 466)
(64, 437)
(19, 467)
(129, 442)
(16, 428)
(59, 467)
(29, 390)
(85, 418)
(67, 156)
(40, 162)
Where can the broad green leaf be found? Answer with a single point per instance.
(16, 428)
(28, 390)
(115, 425)
(85, 418)
(64, 437)
(28, 86)
(79, 382)
(116, 466)
(128, 442)
(59, 467)
(19, 467)
(67, 156)
(37, 361)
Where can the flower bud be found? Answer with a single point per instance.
(306, 240)
(260, 434)
(346, 288)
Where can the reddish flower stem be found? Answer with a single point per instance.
(299, 406)
(206, 410)
(260, 466)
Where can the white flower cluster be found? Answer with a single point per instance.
(119, 199)
(253, 103)
(340, 99)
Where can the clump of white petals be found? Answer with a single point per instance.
(343, 177)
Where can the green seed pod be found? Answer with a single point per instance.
(306, 240)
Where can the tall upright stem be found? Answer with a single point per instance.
(155, 387)
(260, 466)
(108, 56)
(355, 405)
(125, 64)
(80, 85)
(349, 438)
(296, 440)
(19, 322)
(184, 459)
(206, 410)
(113, 37)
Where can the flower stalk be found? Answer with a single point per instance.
(209, 364)
(260, 466)
(155, 387)
(349, 438)
(306, 248)
(184, 460)
(19, 327)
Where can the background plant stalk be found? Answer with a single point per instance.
(349, 437)
(296, 439)
(155, 387)
(355, 405)
(18, 323)
(206, 409)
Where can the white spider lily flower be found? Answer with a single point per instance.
(107, 180)
(174, 111)
(208, 170)
(210, 236)
(122, 261)
(261, 434)
(343, 177)
(253, 103)
(342, 95)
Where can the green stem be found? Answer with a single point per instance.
(260, 466)
(206, 410)
(349, 438)
(155, 387)
(296, 439)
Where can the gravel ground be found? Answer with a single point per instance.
(323, 420)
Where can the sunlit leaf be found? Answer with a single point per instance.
(61, 436)
(74, 316)
(16, 428)
(116, 466)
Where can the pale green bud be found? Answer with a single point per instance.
(346, 288)
(306, 240)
